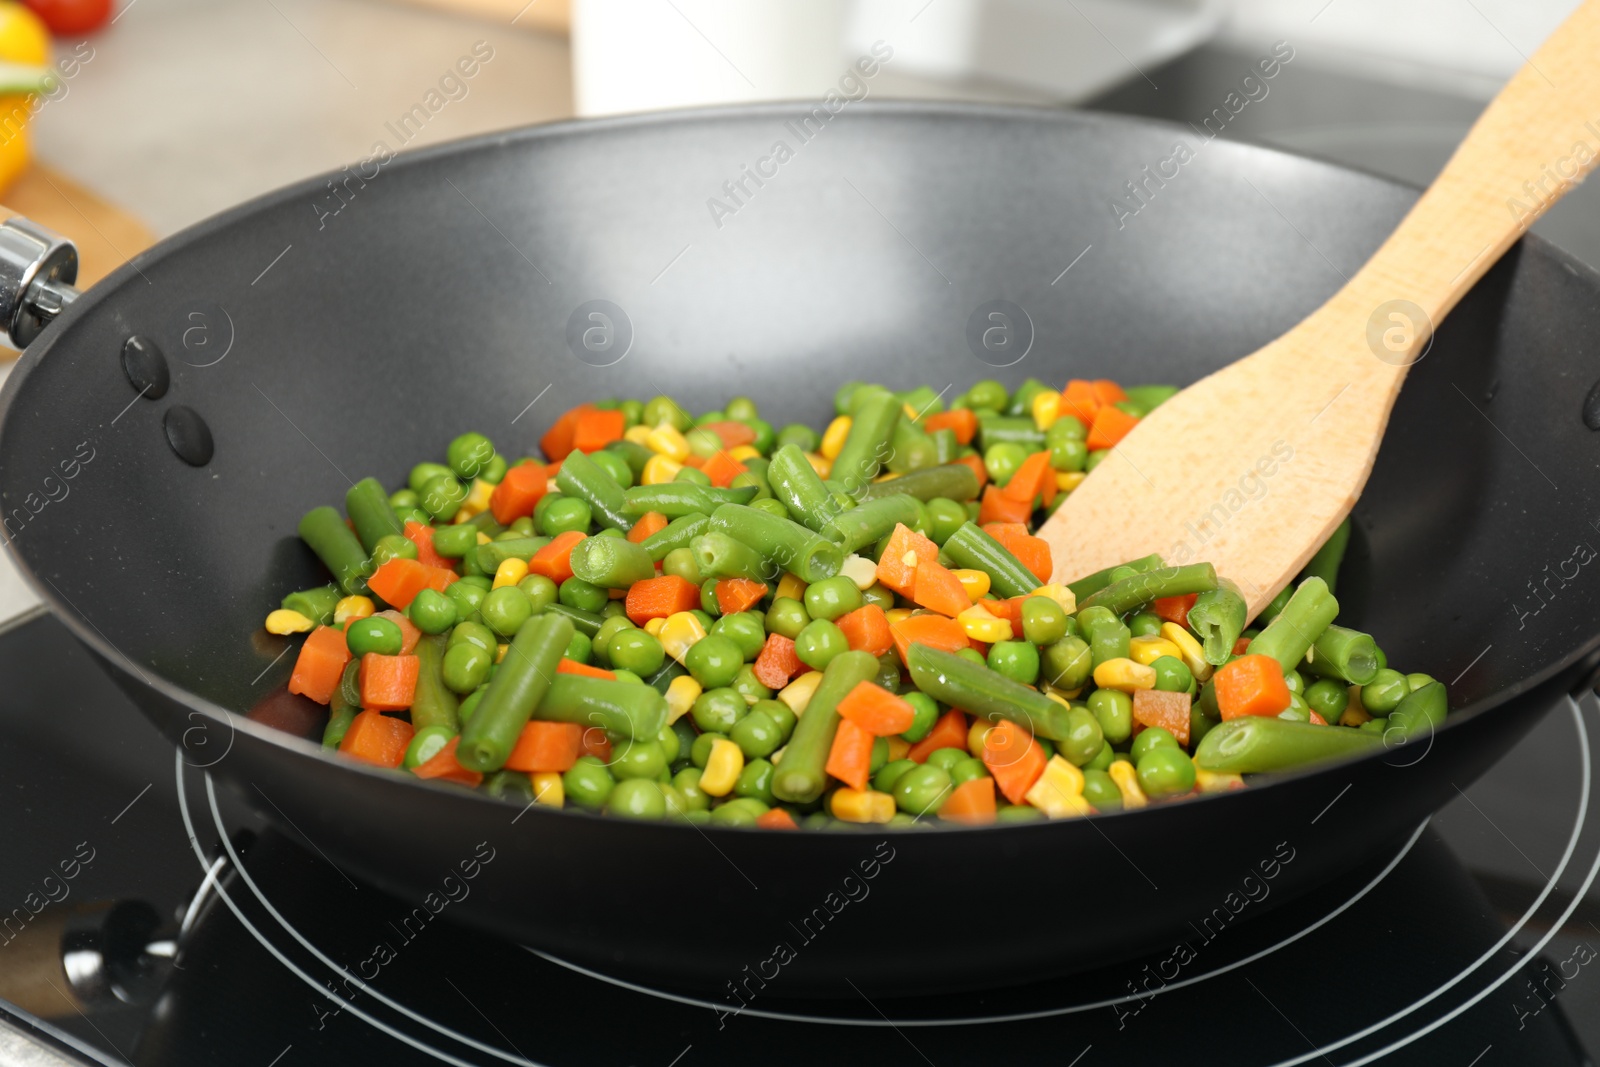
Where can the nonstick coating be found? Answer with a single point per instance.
(438, 298)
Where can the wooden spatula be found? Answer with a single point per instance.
(1304, 415)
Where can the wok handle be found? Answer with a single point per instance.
(37, 269)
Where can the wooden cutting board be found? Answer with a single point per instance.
(541, 16)
(106, 235)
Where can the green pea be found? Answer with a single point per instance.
(756, 735)
(587, 783)
(779, 713)
(718, 710)
(890, 773)
(703, 443)
(1418, 680)
(638, 759)
(466, 666)
(832, 597)
(692, 474)
(540, 591)
(967, 770)
(580, 648)
(1085, 739)
(681, 562)
(1113, 710)
(636, 798)
(878, 594)
(632, 649)
(1295, 681)
(804, 437)
(740, 811)
(602, 639)
(480, 581)
(1066, 664)
(577, 593)
(469, 704)
(1066, 453)
(700, 751)
(1172, 674)
(755, 781)
(522, 526)
(945, 758)
(787, 617)
(925, 712)
(542, 508)
(432, 612)
(1095, 459)
(494, 471)
(474, 633)
(745, 630)
(1100, 791)
(426, 743)
(1165, 771)
(566, 514)
(819, 643)
(922, 790)
(708, 417)
(422, 474)
(615, 466)
(1384, 693)
(1145, 624)
(741, 409)
(373, 634)
(393, 546)
(747, 685)
(987, 393)
(1002, 461)
(1009, 813)
(1327, 698)
(945, 517)
(687, 783)
(714, 661)
(888, 672)
(664, 409)
(1043, 620)
(442, 497)
(469, 454)
(972, 655)
(1152, 738)
(1102, 759)
(1017, 660)
(1295, 714)
(504, 610)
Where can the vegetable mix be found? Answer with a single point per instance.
(710, 619)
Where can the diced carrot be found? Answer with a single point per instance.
(949, 732)
(1241, 645)
(976, 463)
(1014, 758)
(1009, 609)
(722, 468)
(546, 747)
(409, 634)
(421, 535)
(936, 589)
(554, 560)
(557, 441)
(738, 594)
(649, 524)
(377, 738)
(1107, 392)
(1316, 719)
(692, 460)
(523, 487)
(597, 744)
(320, 664)
(388, 683)
(1032, 552)
(876, 710)
(1111, 425)
(1035, 479)
(1079, 399)
(935, 631)
(1170, 711)
(866, 629)
(400, 580)
(1175, 608)
(656, 598)
(894, 569)
(777, 664)
(733, 434)
(1251, 685)
(594, 429)
(444, 766)
(971, 802)
(962, 421)
(997, 507)
(567, 665)
(850, 758)
(776, 819)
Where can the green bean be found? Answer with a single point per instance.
(798, 487)
(520, 683)
(337, 547)
(456, 540)
(675, 499)
(1420, 711)
(1325, 564)
(1348, 655)
(350, 684)
(611, 562)
(721, 556)
(1021, 402)
(872, 423)
(946, 447)
(633, 454)
(1150, 397)
(971, 547)
(1001, 429)
(587, 623)
(1107, 634)
(490, 556)
(634, 711)
(1309, 612)
(910, 448)
(1274, 606)
(344, 706)
(670, 671)
(676, 534)
(316, 604)
(955, 481)
(981, 691)
(486, 522)
(1125, 595)
(434, 703)
(1089, 585)
(368, 506)
(1256, 744)
(793, 547)
(585, 479)
(801, 774)
(1218, 618)
(863, 525)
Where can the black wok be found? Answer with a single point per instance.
(321, 346)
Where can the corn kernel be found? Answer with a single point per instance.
(722, 768)
(510, 572)
(639, 434)
(653, 627)
(1193, 656)
(548, 790)
(477, 500)
(1059, 697)
(1046, 408)
(1147, 648)
(859, 805)
(284, 621)
(681, 695)
(484, 538)
(975, 582)
(898, 747)
(1059, 791)
(821, 464)
(834, 436)
(862, 572)
(681, 631)
(1127, 782)
(744, 452)
(659, 469)
(897, 615)
(792, 587)
(1124, 674)
(1067, 481)
(797, 694)
(911, 413)
(1354, 715)
(978, 737)
(1214, 782)
(978, 624)
(886, 476)
(353, 607)
(666, 440)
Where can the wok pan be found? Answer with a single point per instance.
(352, 325)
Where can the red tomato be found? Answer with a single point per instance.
(69, 18)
